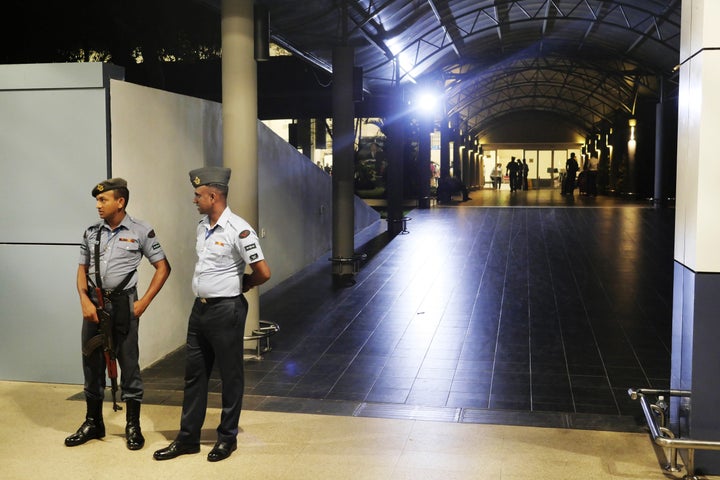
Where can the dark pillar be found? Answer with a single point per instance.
(457, 154)
(658, 194)
(423, 160)
(343, 241)
(304, 137)
(445, 148)
(395, 124)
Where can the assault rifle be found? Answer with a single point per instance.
(104, 339)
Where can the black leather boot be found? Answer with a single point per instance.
(93, 426)
(133, 434)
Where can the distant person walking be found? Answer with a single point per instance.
(592, 173)
(571, 169)
(524, 170)
(512, 171)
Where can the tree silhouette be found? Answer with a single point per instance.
(137, 34)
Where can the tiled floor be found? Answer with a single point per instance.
(540, 314)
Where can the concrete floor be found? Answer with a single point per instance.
(37, 417)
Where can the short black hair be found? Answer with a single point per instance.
(122, 192)
(221, 188)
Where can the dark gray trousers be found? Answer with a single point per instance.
(215, 334)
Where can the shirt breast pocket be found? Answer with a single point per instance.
(128, 246)
(219, 250)
(213, 251)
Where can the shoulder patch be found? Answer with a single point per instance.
(151, 234)
(245, 234)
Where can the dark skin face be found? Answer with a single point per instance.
(110, 208)
(210, 201)
(204, 199)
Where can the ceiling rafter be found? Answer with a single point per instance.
(615, 50)
(448, 26)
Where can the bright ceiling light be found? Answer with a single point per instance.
(427, 102)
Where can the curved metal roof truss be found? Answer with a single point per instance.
(594, 56)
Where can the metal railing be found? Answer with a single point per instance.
(663, 436)
(263, 333)
(354, 261)
(402, 222)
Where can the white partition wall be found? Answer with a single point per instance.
(157, 138)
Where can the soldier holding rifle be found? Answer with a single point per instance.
(110, 253)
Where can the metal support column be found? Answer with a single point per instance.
(395, 124)
(345, 265)
(423, 163)
(445, 148)
(658, 194)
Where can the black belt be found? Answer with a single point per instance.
(108, 292)
(214, 300)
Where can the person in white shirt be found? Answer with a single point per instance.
(225, 245)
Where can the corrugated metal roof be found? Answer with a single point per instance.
(582, 59)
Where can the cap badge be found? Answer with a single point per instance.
(196, 180)
(100, 187)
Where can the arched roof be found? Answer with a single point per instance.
(585, 60)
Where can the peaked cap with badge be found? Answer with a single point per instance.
(209, 175)
(109, 184)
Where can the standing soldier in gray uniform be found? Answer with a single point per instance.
(110, 253)
(225, 245)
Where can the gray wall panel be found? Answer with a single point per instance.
(41, 316)
(52, 151)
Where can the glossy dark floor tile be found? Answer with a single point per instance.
(526, 313)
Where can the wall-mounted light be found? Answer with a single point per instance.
(632, 144)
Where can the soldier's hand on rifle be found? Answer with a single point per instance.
(88, 307)
(89, 310)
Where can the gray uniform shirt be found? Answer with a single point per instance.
(223, 252)
(120, 250)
